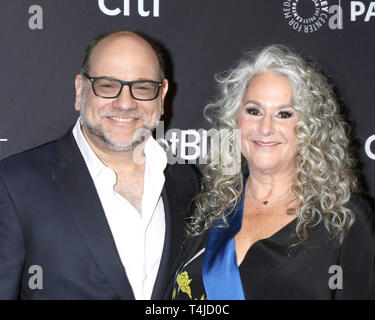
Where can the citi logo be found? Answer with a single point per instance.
(109, 8)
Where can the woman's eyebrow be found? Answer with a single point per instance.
(285, 106)
(252, 102)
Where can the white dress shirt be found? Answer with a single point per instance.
(139, 238)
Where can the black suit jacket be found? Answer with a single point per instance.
(51, 217)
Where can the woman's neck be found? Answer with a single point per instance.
(269, 186)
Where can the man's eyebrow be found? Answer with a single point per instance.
(114, 78)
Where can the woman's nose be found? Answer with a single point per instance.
(266, 126)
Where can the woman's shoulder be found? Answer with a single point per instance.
(358, 252)
(362, 207)
(364, 223)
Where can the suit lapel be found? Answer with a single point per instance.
(174, 235)
(79, 192)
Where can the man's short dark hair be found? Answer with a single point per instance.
(154, 45)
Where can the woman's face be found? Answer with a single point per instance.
(267, 121)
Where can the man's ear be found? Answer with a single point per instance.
(79, 91)
(164, 90)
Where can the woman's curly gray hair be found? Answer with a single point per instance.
(325, 175)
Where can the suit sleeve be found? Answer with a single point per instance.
(12, 249)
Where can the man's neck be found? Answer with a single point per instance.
(121, 162)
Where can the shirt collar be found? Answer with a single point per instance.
(155, 155)
(93, 163)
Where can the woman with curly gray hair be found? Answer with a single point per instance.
(289, 224)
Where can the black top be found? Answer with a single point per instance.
(318, 270)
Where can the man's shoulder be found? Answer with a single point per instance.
(63, 146)
(35, 159)
(29, 156)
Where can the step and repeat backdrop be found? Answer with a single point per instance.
(43, 41)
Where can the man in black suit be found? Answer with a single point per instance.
(98, 213)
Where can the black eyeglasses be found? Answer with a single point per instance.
(110, 88)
